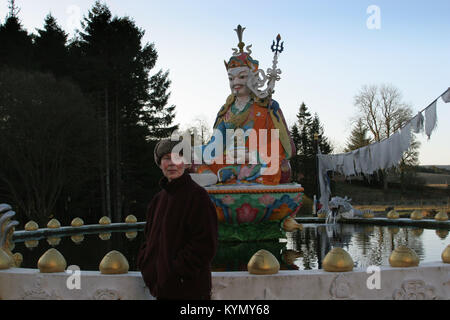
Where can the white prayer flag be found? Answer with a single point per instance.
(430, 119)
(417, 123)
(446, 96)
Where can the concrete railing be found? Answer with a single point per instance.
(427, 281)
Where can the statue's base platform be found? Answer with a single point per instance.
(254, 212)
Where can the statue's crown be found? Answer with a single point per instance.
(241, 58)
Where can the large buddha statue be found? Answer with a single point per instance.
(259, 152)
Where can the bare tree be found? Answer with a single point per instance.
(200, 127)
(382, 111)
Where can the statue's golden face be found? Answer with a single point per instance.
(238, 78)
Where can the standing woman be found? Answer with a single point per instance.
(180, 233)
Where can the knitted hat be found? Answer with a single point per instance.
(163, 147)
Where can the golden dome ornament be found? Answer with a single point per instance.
(446, 255)
(53, 224)
(30, 244)
(77, 222)
(262, 263)
(337, 260)
(114, 263)
(289, 225)
(416, 215)
(31, 226)
(105, 236)
(392, 215)
(77, 238)
(104, 220)
(403, 257)
(393, 230)
(368, 214)
(52, 261)
(53, 241)
(442, 233)
(130, 219)
(441, 216)
(417, 232)
(131, 234)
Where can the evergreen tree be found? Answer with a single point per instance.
(50, 50)
(15, 42)
(317, 128)
(304, 123)
(113, 68)
(358, 137)
(296, 137)
(304, 163)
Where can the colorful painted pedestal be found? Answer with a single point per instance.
(253, 212)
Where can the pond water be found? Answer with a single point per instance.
(300, 250)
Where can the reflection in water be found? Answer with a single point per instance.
(366, 245)
(304, 250)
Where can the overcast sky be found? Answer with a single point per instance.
(332, 49)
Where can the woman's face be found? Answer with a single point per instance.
(172, 166)
(238, 78)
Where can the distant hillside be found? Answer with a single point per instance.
(434, 178)
(435, 169)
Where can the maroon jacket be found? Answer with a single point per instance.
(180, 241)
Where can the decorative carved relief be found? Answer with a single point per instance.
(415, 290)
(106, 294)
(38, 293)
(341, 289)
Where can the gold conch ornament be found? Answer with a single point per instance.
(446, 254)
(53, 224)
(416, 215)
(77, 222)
(31, 226)
(114, 263)
(130, 219)
(337, 260)
(52, 261)
(263, 262)
(392, 215)
(441, 216)
(18, 259)
(403, 257)
(290, 225)
(417, 232)
(6, 261)
(104, 220)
